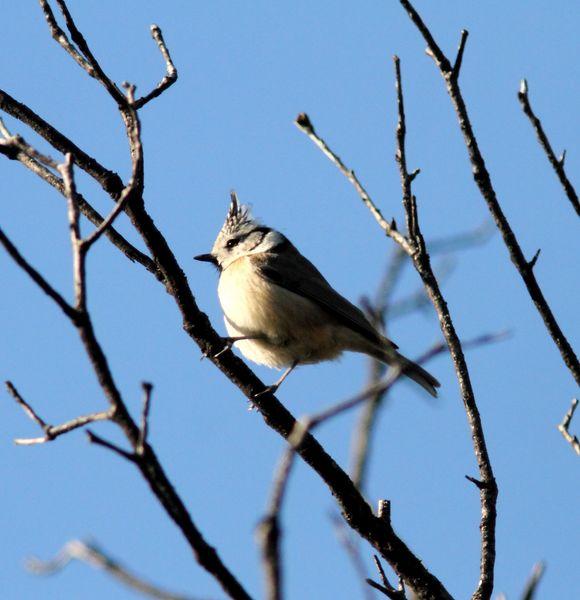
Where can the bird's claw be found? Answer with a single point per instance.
(229, 342)
(271, 389)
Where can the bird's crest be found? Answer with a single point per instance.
(238, 215)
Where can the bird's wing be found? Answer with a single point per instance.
(291, 271)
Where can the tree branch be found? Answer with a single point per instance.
(557, 164)
(305, 125)
(171, 72)
(415, 247)
(90, 554)
(422, 262)
(564, 426)
(25, 157)
(387, 589)
(483, 181)
(51, 432)
(532, 585)
(66, 308)
(356, 511)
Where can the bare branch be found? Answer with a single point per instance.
(532, 585)
(66, 308)
(459, 58)
(304, 124)
(357, 511)
(400, 155)
(557, 164)
(61, 38)
(564, 426)
(13, 152)
(387, 589)
(108, 180)
(269, 531)
(51, 432)
(134, 186)
(483, 181)
(144, 428)
(362, 438)
(89, 62)
(433, 49)
(19, 143)
(90, 554)
(78, 256)
(171, 72)
(346, 540)
(99, 441)
(422, 264)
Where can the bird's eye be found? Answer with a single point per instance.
(232, 243)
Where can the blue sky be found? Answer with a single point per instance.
(245, 72)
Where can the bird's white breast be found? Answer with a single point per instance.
(292, 327)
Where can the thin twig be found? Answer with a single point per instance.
(62, 39)
(66, 308)
(346, 540)
(78, 256)
(305, 125)
(51, 432)
(386, 588)
(99, 441)
(362, 439)
(269, 531)
(557, 164)
(564, 426)
(171, 72)
(531, 588)
(144, 428)
(27, 158)
(460, 50)
(19, 143)
(90, 554)
(89, 62)
(483, 180)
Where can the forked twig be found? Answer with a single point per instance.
(564, 426)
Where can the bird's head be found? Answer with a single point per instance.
(240, 235)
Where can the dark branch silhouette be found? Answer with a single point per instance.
(557, 163)
(485, 186)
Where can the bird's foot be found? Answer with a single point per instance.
(270, 389)
(229, 342)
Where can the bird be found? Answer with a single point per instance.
(281, 312)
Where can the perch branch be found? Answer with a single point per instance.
(355, 509)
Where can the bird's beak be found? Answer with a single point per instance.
(210, 258)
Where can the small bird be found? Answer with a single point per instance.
(280, 310)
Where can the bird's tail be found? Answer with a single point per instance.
(412, 370)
